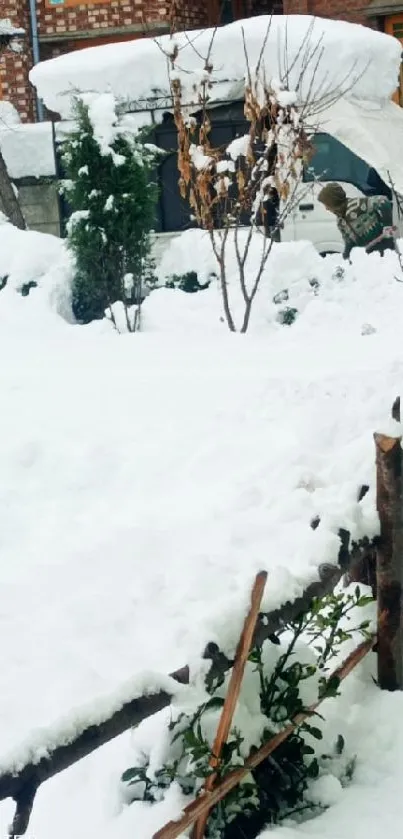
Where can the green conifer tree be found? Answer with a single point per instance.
(110, 190)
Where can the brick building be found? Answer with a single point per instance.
(54, 27)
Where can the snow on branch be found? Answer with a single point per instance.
(255, 180)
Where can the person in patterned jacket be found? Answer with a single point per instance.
(363, 222)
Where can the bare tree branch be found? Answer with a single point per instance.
(224, 188)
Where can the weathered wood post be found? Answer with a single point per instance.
(389, 558)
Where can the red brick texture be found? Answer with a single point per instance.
(76, 24)
(350, 10)
(15, 66)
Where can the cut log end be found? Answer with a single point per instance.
(385, 443)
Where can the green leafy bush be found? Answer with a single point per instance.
(286, 675)
(287, 316)
(188, 282)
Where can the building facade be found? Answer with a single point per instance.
(53, 27)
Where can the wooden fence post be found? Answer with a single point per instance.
(389, 559)
(233, 692)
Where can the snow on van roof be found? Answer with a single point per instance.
(361, 62)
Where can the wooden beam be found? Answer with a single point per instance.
(389, 561)
(233, 691)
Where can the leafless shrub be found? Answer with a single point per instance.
(241, 180)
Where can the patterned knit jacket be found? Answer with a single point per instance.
(367, 222)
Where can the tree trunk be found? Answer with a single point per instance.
(9, 199)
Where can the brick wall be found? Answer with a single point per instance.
(350, 10)
(15, 66)
(72, 17)
(142, 15)
(75, 25)
(190, 15)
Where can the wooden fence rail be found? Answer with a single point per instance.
(356, 562)
(21, 786)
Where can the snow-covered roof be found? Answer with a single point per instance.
(28, 149)
(360, 62)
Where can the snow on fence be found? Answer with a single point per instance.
(197, 811)
(379, 563)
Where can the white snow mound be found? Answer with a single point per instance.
(345, 58)
(29, 258)
(145, 479)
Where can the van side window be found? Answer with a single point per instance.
(333, 161)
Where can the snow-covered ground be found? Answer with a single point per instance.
(144, 479)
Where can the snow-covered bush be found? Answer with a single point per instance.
(283, 678)
(293, 277)
(35, 266)
(188, 282)
(112, 196)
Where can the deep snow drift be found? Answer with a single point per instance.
(334, 56)
(146, 478)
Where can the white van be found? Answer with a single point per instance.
(360, 146)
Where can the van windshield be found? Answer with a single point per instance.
(333, 161)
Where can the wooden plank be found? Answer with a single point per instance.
(134, 710)
(233, 691)
(389, 561)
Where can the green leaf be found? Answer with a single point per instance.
(308, 670)
(329, 687)
(312, 770)
(255, 656)
(313, 731)
(365, 600)
(214, 702)
(274, 639)
(342, 635)
(132, 774)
